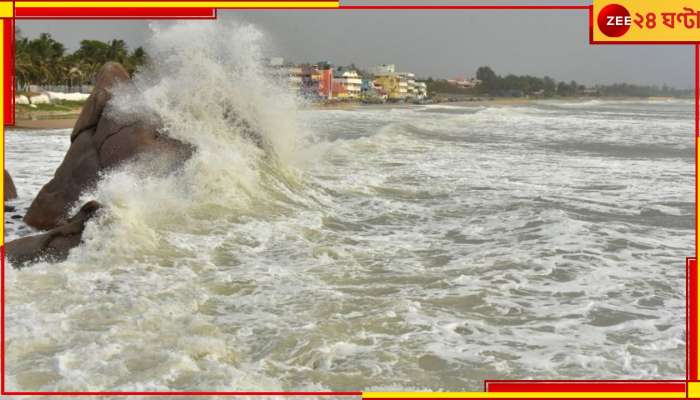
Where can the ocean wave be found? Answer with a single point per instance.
(356, 249)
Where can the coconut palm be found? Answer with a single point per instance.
(44, 61)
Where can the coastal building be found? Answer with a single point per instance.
(464, 83)
(384, 69)
(325, 88)
(398, 85)
(349, 83)
(403, 87)
(340, 92)
(389, 86)
(294, 75)
(285, 71)
(372, 93)
(409, 85)
(322, 80)
(310, 80)
(386, 81)
(367, 86)
(421, 90)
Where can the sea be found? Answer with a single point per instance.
(426, 247)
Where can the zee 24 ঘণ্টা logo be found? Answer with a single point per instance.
(614, 20)
(650, 20)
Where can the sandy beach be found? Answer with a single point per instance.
(27, 118)
(55, 123)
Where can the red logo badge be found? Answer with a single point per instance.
(614, 20)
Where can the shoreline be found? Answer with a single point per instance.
(66, 122)
(26, 118)
(43, 120)
(496, 102)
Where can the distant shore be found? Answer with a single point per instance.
(499, 101)
(55, 123)
(66, 120)
(46, 117)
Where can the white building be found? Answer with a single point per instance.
(464, 83)
(384, 70)
(410, 79)
(350, 80)
(421, 90)
(403, 87)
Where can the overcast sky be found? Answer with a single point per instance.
(438, 43)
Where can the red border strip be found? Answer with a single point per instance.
(586, 386)
(9, 71)
(692, 319)
(116, 13)
(697, 91)
(493, 386)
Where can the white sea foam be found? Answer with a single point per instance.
(417, 249)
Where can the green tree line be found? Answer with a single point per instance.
(511, 85)
(45, 61)
(525, 85)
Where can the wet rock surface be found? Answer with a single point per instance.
(9, 189)
(99, 141)
(53, 245)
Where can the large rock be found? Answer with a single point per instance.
(9, 188)
(53, 245)
(109, 75)
(98, 142)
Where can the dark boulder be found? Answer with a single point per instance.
(109, 76)
(53, 245)
(9, 188)
(99, 142)
(78, 171)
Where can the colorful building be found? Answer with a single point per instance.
(349, 83)
(321, 80)
(310, 80)
(326, 87)
(389, 85)
(398, 85)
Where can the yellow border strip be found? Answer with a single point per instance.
(521, 395)
(6, 10)
(183, 4)
(693, 389)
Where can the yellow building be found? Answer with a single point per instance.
(390, 85)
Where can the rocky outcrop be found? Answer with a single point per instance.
(9, 189)
(53, 245)
(98, 142)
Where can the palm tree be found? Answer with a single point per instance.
(43, 60)
(117, 51)
(23, 69)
